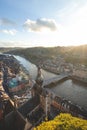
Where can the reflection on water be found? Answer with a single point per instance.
(69, 89)
(74, 91)
(32, 69)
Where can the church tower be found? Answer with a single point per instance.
(45, 100)
(39, 78)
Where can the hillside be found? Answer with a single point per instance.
(6, 49)
(73, 54)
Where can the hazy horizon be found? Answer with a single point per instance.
(82, 45)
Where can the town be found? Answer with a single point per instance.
(23, 98)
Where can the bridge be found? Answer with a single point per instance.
(54, 80)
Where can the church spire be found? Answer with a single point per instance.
(39, 78)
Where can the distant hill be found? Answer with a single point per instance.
(72, 54)
(6, 49)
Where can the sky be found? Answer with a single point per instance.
(47, 23)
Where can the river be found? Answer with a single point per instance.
(32, 69)
(71, 90)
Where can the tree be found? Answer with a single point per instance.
(63, 122)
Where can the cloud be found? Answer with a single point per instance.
(11, 32)
(40, 24)
(7, 22)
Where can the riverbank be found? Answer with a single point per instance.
(39, 62)
(83, 80)
(50, 70)
(74, 96)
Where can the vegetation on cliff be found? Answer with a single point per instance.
(63, 122)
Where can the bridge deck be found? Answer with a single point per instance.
(54, 80)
